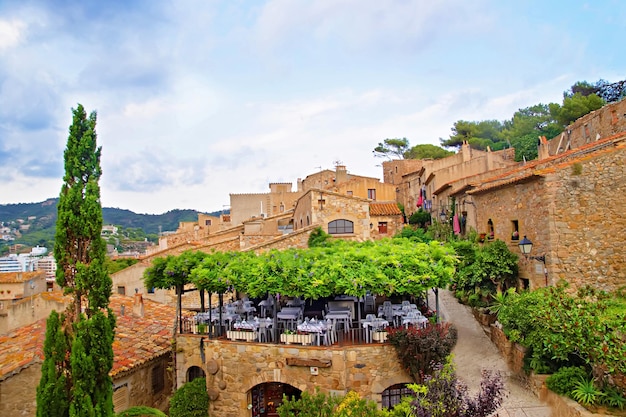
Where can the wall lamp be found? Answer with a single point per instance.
(525, 246)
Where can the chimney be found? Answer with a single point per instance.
(341, 174)
(543, 149)
(138, 309)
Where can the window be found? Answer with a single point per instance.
(340, 226)
(121, 290)
(514, 230)
(393, 395)
(490, 230)
(371, 194)
(158, 378)
(382, 228)
(349, 192)
(120, 398)
(282, 207)
(207, 222)
(151, 290)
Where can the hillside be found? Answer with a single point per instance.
(33, 223)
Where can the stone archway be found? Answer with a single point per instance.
(265, 398)
(194, 372)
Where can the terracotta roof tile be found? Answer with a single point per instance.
(384, 209)
(16, 277)
(137, 339)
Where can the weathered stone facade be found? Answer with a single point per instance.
(234, 368)
(569, 206)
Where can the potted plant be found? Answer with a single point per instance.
(379, 336)
(288, 337)
(202, 328)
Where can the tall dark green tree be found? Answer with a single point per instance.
(78, 348)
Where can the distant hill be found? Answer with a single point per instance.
(36, 221)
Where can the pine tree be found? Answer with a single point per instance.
(78, 350)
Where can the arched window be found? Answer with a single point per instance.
(194, 372)
(308, 221)
(393, 395)
(340, 226)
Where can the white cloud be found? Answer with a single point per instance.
(12, 33)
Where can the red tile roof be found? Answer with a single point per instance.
(137, 339)
(384, 209)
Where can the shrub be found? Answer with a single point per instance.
(586, 392)
(443, 395)
(190, 400)
(563, 381)
(613, 397)
(420, 349)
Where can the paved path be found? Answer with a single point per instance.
(474, 352)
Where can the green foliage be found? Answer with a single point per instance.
(390, 148)
(141, 411)
(190, 400)
(586, 392)
(562, 329)
(78, 357)
(563, 381)
(576, 106)
(318, 238)
(326, 405)
(499, 300)
(420, 349)
(387, 267)
(412, 233)
(478, 134)
(116, 265)
(483, 269)
(613, 397)
(53, 388)
(420, 217)
(427, 151)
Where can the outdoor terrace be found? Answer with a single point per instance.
(340, 320)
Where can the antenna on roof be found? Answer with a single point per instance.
(319, 167)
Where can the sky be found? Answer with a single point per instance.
(200, 99)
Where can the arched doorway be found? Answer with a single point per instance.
(195, 372)
(393, 395)
(266, 398)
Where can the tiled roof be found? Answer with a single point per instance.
(384, 209)
(21, 348)
(137, 339)
(16, 277)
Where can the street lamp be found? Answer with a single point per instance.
(525, 246)
(443, 216)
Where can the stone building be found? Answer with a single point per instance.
(421, 181)
(567, 203)
(246, 378)
(142, 358)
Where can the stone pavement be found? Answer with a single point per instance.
(474, 352)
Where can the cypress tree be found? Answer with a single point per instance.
(78, 350)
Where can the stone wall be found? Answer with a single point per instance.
(137, 386)
(27, 311)
(528, 204)
(18, 392)
(588, 223)
(602, 123)
(234, 368)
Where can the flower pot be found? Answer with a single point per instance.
(240, 335)
(303, 339)
(379, 336)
